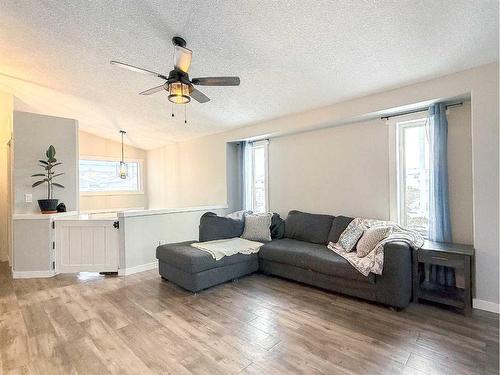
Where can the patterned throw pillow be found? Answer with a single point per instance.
(370, 238)
(351, 235)
(257, 227)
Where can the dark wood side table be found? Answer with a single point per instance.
(444, 254)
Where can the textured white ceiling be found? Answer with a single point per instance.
(291, 56)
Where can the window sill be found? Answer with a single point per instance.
(101, 193)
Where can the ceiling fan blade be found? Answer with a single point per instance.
(153, 90)
(183, 58)
(199, 96)
(216, 81)
(136, 69)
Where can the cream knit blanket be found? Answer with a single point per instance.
(218, 249)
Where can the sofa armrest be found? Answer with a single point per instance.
(394, 286)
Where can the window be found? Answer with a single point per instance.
(256, 176)
(413, 175)
(100, 176)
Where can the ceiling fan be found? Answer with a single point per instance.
(178, 84)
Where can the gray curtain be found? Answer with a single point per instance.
(439, 207)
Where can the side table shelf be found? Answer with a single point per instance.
(452, 255)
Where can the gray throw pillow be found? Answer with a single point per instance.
(257, 227)
(277, 227)
(339, 225)
(370, 238)
(238, 215)
(351, 235)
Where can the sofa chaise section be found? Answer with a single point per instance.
(194, 269)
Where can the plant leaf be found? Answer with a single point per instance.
(58, 185)
(59, 174)
(52, 160)
(38, 175)
(51, 152)
(56, 164)
(43, 162)
(38, 183)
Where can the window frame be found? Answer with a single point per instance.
(140, 174)
(400, 173)
(265, 145)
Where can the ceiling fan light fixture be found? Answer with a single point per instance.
(179, 93)
(177, 82)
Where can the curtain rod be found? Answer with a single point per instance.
(418, 110)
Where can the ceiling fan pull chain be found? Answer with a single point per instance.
(172, 109)
(185, 114)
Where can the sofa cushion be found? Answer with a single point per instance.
(339, 225)
(311, 256)
(213, 227)
(307, 227)
(183, 256)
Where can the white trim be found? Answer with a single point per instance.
(111, 193)
(163, 211)
(32, 274)
(111, 210)
(109, 158)
(40, 216)
(136, 269)
(486, 305)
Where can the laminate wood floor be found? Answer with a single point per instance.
(141, 324)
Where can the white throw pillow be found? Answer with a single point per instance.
(257, 227)
(370, 238)
(351, 235)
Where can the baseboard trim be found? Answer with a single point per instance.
(32, 274)
(136, 269)
(486, 305)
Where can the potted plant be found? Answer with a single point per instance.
(49, 205)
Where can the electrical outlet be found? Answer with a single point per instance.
(28, 198)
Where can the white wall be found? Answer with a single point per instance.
(188, 174)
(203, 160)
(346, 170)
(92, 145)
(340, 170)
(6, 109)
(33, 134)
(140, 235)
(460, 178)
(32, 246)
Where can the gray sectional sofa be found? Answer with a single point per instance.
(300, 254)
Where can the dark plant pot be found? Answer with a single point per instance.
(48, 206)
